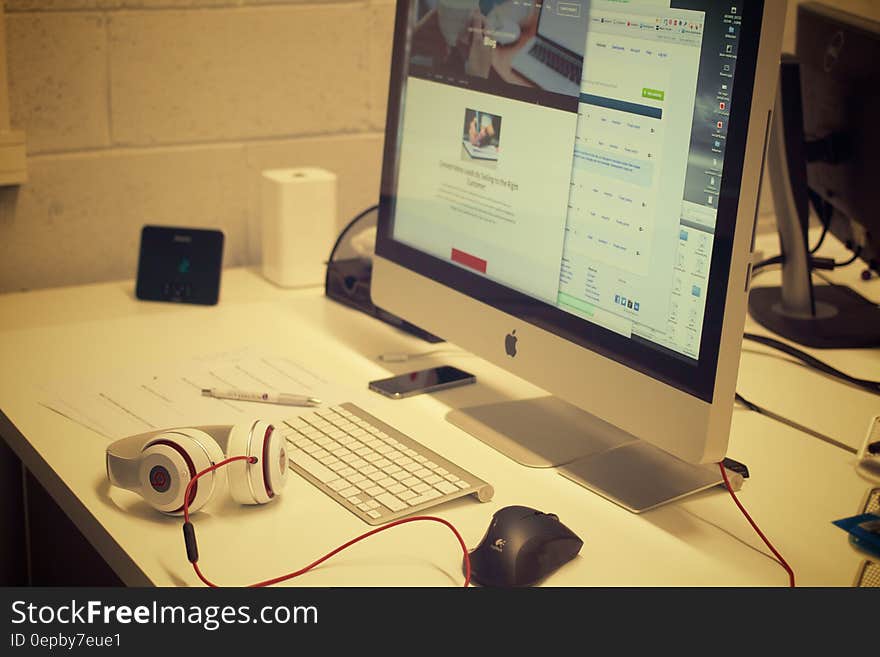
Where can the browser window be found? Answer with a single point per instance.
(598, 198)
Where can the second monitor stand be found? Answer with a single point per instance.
(821, 316)
(547, 432)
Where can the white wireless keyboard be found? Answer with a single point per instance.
(372, 469)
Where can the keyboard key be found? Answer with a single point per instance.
(351, 491)
(427, 496)
(318, 470)
(391, 501)
(302, 441)
(446, 488)
(374, 514)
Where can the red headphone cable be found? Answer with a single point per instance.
(192, 550)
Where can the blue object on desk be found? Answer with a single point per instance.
(864, 531)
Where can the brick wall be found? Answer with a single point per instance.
(166, 111)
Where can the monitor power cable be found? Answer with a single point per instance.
(760, 410)
(867, 385)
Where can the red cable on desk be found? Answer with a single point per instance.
(782, 561)
(193, 554)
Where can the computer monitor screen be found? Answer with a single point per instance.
(613, 214)
(840, 82)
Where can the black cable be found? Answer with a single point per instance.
(351, 223)
(791, 423)
(865, 384)
(856, 254)
(824, 211)
(758, 266)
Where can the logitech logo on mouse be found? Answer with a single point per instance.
(498, 545)
(510, 343)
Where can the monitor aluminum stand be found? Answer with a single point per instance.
(546, 432)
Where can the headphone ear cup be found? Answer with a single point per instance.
(260, 482)
(170, 461)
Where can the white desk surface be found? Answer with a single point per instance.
(799, 484)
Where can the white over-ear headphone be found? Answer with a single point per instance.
(159, 465)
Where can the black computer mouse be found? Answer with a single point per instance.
(521, 547)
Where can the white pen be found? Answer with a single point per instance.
(266, 397)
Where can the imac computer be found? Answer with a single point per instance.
(825, 151)
(604, 252)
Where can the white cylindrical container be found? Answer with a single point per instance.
(298, 224)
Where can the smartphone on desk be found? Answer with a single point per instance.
(416, 383)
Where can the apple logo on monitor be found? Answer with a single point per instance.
(510, 343)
